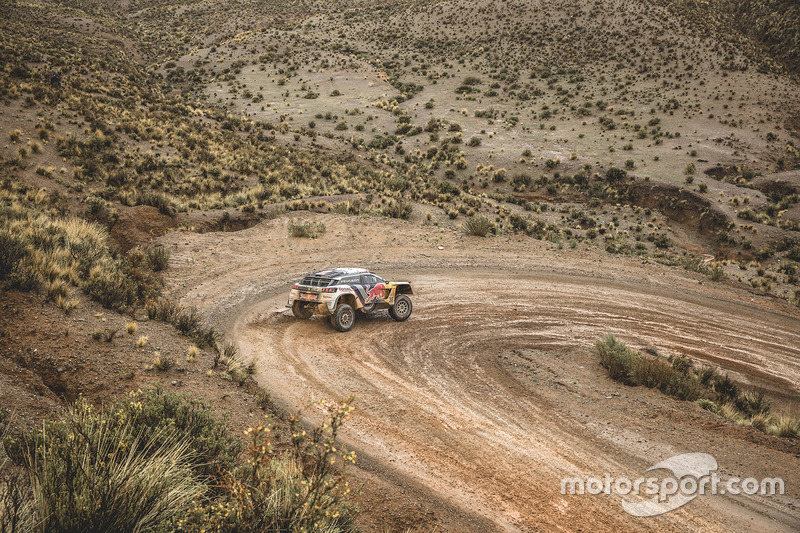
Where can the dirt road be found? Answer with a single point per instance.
(488, 396)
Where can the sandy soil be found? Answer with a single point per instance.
(477, 406)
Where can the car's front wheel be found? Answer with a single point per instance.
(401, 309)
(343, 318)
(301, 310)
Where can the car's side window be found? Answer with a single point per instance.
(369, 279)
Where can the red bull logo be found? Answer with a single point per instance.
(375, 293)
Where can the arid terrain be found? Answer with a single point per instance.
(489, 395)
(544, 173)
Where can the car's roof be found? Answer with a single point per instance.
(339, 272)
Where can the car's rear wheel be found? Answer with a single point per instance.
(343, 318)
(302, 310)
(401, 309)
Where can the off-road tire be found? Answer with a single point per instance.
(301, 310)
(343, 318)
(401, 309)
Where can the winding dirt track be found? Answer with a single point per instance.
(488, 396)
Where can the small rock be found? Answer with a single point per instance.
(174, 382)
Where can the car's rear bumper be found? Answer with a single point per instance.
(322, 304)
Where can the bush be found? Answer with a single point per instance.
(398, 209)
(95, 472)
(716, 273)
(158, 258)
(111, 287)
(632, 368)
(37, 247)
(309, 230)
(153, 413)
(708, 405)
(301, 489)
(678, 378)
(160, 201)
(616, 358)
(725, 388)
(752, 402)
(12, 251)
(478, 225)
(616, 174)
(785, 426)
(186, 320)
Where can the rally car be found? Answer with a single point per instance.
(340, 292)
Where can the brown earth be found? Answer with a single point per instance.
(470, 413)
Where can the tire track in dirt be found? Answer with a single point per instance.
(488, 395)
(432, 403)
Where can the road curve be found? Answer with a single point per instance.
(488, 396)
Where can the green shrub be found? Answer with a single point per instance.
(153, 413)
(398, 209)
(681, 363)
(716, 273)
(616, 174)
(708, 405)
(309, 230)
(12, 251)
(616, 357)
(94, 472)
(752, 402)
(445, 187)
(186, 320)
(111, 287)
(478, 225)
(678, 378)
(160, 201)
(652, 372)
(725, 388)
(632, 368)
(683, 386)
(707, 374)
(158, 258)
(37, 248)
(15, 508)
(301, 489)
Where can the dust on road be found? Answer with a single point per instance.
(488, 396)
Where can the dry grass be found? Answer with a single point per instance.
(162, 362)
(678, 377)
(192, 353)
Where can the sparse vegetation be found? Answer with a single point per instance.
(477, 225)
(565, 133)
(308, 230)
(677, 377)
(161, 453)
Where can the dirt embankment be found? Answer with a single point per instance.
(471, 412)
(683, 206)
